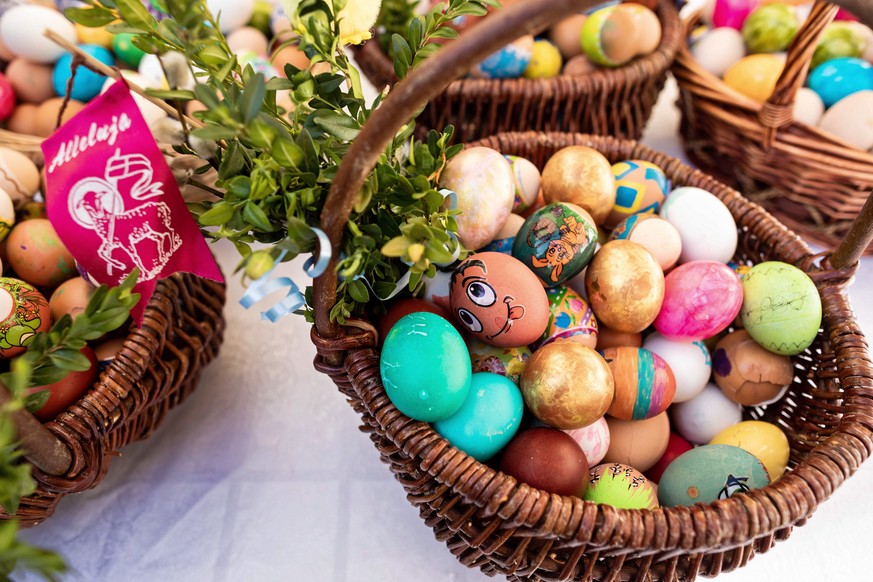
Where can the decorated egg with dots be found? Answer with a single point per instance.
(690, 358)
(570, 317)
(781, 307)
(507, 63)
(747, 373)
(644, 383)
(594, 440)
(638, 443)
(705, 415)
(705, 225)
(653, 233)
(508, 362)
(676, 445)
(23, 312)
(640, 187)
(710, 473)
(527, 182)
(505, 237)
(498, 300)
(556, 242)
(547, 459)
(764, 440)
(620, 486)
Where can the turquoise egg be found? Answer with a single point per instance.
(488, 419)
(425, 367)
(708, 473)
(87, 83)
(839, 78)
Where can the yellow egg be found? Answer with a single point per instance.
(97, 36)
(545, 61)
(764, 440)
(755, 76)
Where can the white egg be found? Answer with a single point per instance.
(808, 106)
(718, 49)
(22, 29)
(690, 362)
(436, 290)
(7, 214)
(705, 415)
(150, 112)
(707, 229)
(231, 14)
(851, 119)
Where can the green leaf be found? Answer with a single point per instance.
(218, 215)
(233, 161)
(279, 84)
(70, 360)
(93, 17)
(214, 132)
(257, 217)
(396, 247)
(206, 95)
(135, 14)
(168, 95)
(253, 98)
(287, 153)
(37, 400)
(338, 125)
(402, 55)
(358, 291)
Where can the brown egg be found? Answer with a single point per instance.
(47, 115)
(567, 35)
(288, 55)
(582, 176)
(247, 38)
(638, 443)
(619, 28)
(31, 82)
(747, 373)
(578, 66)
(567, 385)
(648, 27)
(23, 119)
(71, 298)
(19, 176)
(547, 459)
(67, 391)
(610, 338)
(625, 286)
(37, 255)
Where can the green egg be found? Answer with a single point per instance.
(840, 39)
(770, 28)
(621, 486)
(425, 367)
(125, 50)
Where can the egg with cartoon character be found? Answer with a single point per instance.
(570, 317)
(498, 300)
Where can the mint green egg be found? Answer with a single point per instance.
(840, 39)
(425, 367)
(770, 28)
(488, 419)
(125, 50)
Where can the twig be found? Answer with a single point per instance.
(41, 447)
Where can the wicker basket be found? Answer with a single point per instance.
(811, 180)
(492, 522)
(606, 101)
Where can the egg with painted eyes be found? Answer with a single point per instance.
(498, 300)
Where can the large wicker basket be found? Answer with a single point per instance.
(811, 180)
(606, 101)
(492, 522)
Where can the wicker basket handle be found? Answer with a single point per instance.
(857, 240)
(406, 98)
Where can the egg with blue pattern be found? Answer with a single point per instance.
(644, 383)
(507, 63)
(570, 317)
(640, 187)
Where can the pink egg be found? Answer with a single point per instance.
(732, 13)
(7, 97)
(594, 440)
(701, 298)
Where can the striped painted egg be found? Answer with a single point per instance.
(570, 317)
(644, 383)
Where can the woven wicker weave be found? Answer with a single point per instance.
(492, 522)
(606, 101)
(811, 180)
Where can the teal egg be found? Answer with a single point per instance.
(708, 473)
(425, 367)
(556, 242)
(488, 419)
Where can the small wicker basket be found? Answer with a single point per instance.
(606, 101)
(492, 522)
(811, 180)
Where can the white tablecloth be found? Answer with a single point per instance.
(262, 475)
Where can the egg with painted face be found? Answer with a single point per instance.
(498, 300)
(640, 188)
(570, 318)
(23, 313)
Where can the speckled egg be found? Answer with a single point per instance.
(505, 238)
(705, 415)
(570, 317)
(644, 383)
(508, 362)
(527, 182)
(640, 187)
(582, 176)
(653, 233)
(837, 79)
(709, 473)
(621, 486)
(676, 445)
(556, 242)
(764, 440)
(690, 361)
(425, 367)
(23, 312)
(485, 188)
(638, 443)
(567, 385)
(705, 225)
(770, 28)
(625, 286)
(37, 254)
(507, 63)
(594, 440)
(747, 373)
(547, 459)
(498, 300)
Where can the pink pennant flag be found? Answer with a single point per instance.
(114, 201)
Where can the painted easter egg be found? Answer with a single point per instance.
(547, 459)
(770, 28)
(653, 233)
(594, 440)
(781, 307)
(582, 176)
(621, 486)
(507, 63)
(485, 188)
(527, 182)
(37, 254)
(23, 312)
(505, 238)
(644, 383)
(508, 362)
(7, 98)
(732, 13)
(19, 177)
(691, 359)
(837, 79)
(638, 443)
(570, 317)
(425, 367)
(498, 300)
(676, 445)
(545, 61)
(747, 373)
(606, 37)
(701, 299)
(705, 225)
(87, 83)
(556, 242)
(71, 298)
(764, 440)
(705, 415)
(640, 187)
(567, 385)
(625, 286)
(125, 50)
(755, 76)
(709, 473)
(488, 418)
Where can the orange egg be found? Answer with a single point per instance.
(37, 255)
(24, 119)
(288, 55)
(638, 443)
(47, 115)
(71, 298)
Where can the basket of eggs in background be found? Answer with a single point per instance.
(648, 378)
(138, 373)
(780, 104)
(599, 72)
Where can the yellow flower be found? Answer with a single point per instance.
(355, 20)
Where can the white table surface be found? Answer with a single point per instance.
(262, 475)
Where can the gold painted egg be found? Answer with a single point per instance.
(583, 176)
